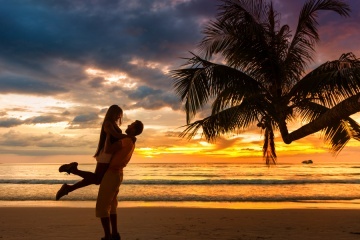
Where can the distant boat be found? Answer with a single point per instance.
(307, 162)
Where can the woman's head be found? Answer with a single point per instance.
(114, 114)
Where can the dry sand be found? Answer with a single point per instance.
(147, 223)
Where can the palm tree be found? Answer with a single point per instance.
(262, 79)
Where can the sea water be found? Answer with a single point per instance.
(208, 183)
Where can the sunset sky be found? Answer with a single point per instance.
(63, 63)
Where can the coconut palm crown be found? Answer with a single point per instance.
(263, 78)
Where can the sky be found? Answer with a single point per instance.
(63, 63)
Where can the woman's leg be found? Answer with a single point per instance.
(83, 174)
(100, 171)
(88, 177)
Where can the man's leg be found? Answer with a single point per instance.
(114, 229)
(113, 216)
(107, 192)
(105, 222)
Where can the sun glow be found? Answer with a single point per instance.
(110, 77)
(25, 106)
(150, 64)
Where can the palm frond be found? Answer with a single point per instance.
(269, 153)
(353, 129)
(306, 35)
(336, 133)
(195, 85)
(233, 119)
(235, 19)
(331, 82)
(191, 85)
(239, 34)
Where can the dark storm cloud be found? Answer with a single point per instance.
(151, 77)
(142, 92)
(106, 33)
(45, 45)
(155, 102)
(150, 98)
(36, 36)
(97, 82)
(24, 84)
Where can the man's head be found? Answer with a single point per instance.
(135, 128)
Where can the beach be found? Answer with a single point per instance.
(144, 223)
(188, 201)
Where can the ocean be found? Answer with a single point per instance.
(210, 184)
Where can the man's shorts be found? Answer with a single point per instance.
(106, 203)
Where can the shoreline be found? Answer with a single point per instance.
(354, 204)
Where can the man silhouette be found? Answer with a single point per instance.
(106, 204)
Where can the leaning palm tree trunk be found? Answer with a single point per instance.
(340, 111)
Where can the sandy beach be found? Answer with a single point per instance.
(140, 223)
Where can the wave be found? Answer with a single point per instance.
(196, 182)
(165, 198)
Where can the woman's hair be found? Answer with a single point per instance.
(111, 115)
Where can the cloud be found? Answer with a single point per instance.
(90, 117)
(55, 41)
(48, 140)
(10, 122)
(103, 32)
(43, 119)
(48, 46)
(80, 118)
(97, 82)
(88, 120)
(142, 92)
(23, 84)
(149, 98)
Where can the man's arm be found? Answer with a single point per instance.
(121, 153)
(112, 148)
(110, 128)
(126, 162)
(116, 132)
